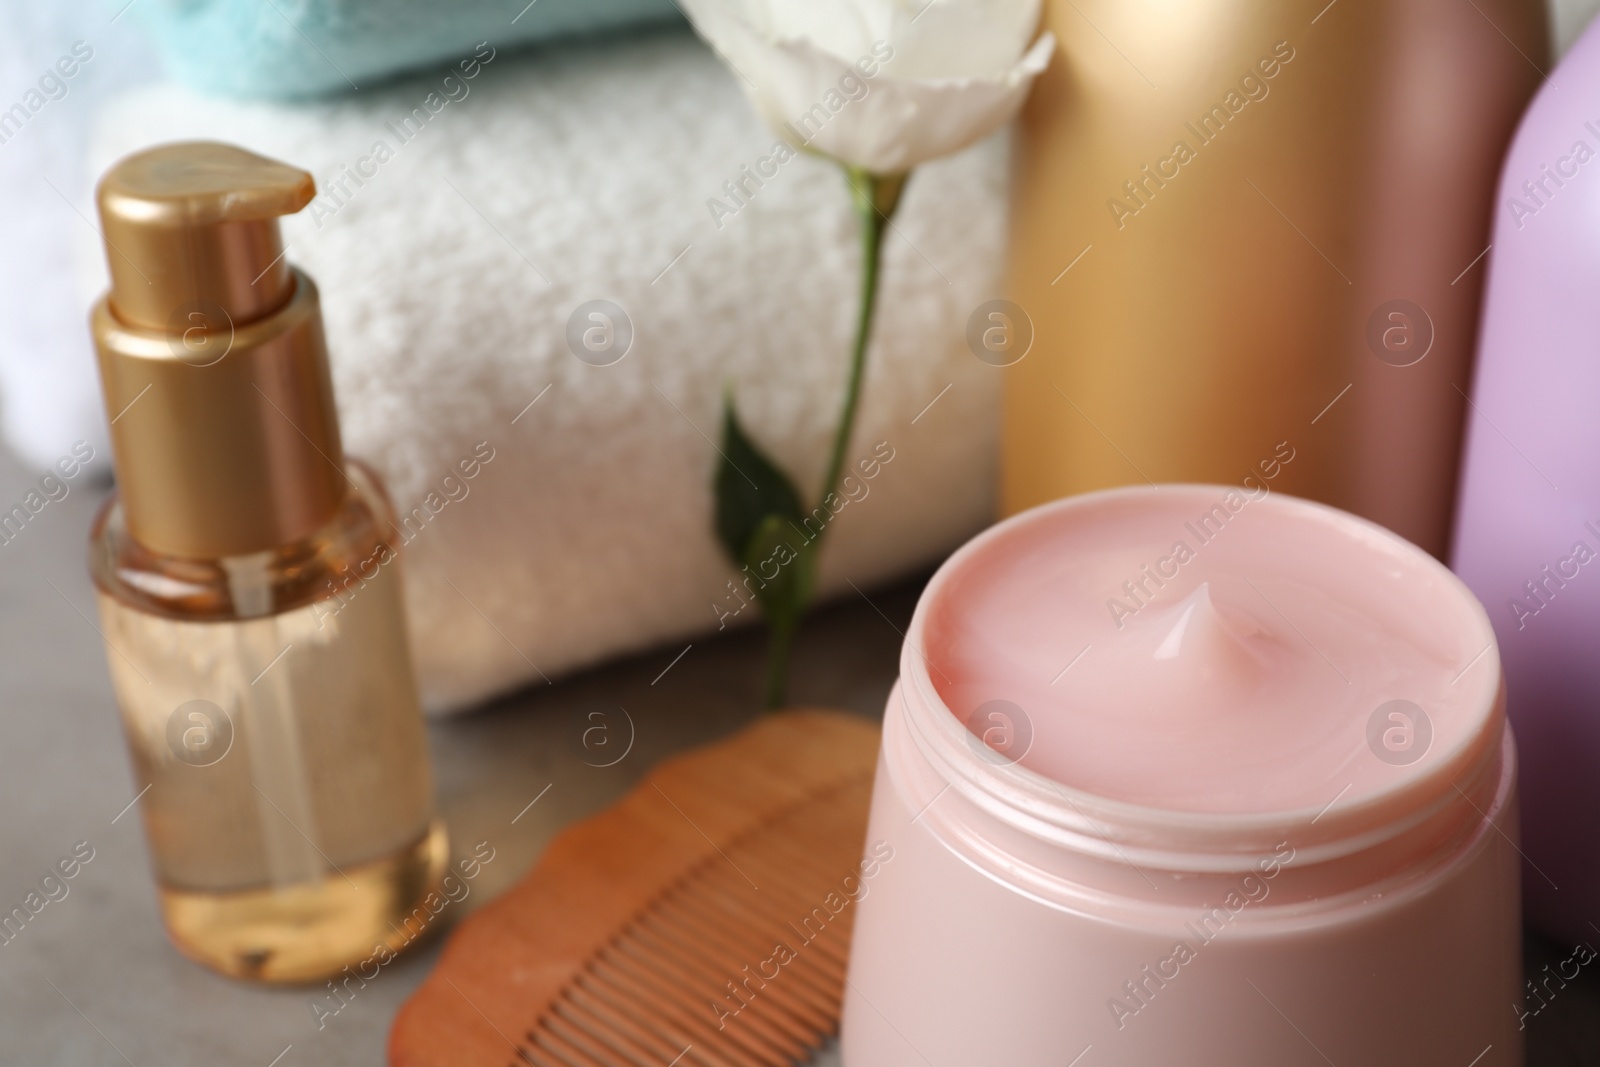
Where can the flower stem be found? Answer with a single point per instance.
(875, 197)
(778, 646)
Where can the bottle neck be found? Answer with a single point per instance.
(226, 443)
(359, 541)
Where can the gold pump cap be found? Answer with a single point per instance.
(194, 227)
(212, 357)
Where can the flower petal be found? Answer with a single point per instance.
(931, 38)
(902, 123)
(951, 75)
(961, 38)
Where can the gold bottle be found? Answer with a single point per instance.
(1305, 271)
(249, 596)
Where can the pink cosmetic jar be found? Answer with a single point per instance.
(1191, 775)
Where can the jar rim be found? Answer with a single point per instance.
(1184, 839)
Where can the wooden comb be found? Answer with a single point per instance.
(702, 920)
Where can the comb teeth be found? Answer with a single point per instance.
(738, 963)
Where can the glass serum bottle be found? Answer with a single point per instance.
(249, 594)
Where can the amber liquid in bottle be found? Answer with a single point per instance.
(269, 704)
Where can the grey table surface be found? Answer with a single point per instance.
(92, 981)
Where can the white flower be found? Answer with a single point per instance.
(881, 85)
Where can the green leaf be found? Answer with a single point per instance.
(760, 524)
(781, 564)
(750, 490)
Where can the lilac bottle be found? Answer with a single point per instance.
(1528, 529)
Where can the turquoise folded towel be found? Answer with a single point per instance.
(284, 49)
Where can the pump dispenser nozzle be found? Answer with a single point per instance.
(212, 357)
(190, 225)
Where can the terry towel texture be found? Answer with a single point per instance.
(449, 274)
(299, 48)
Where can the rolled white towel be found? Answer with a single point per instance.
(448, 279)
